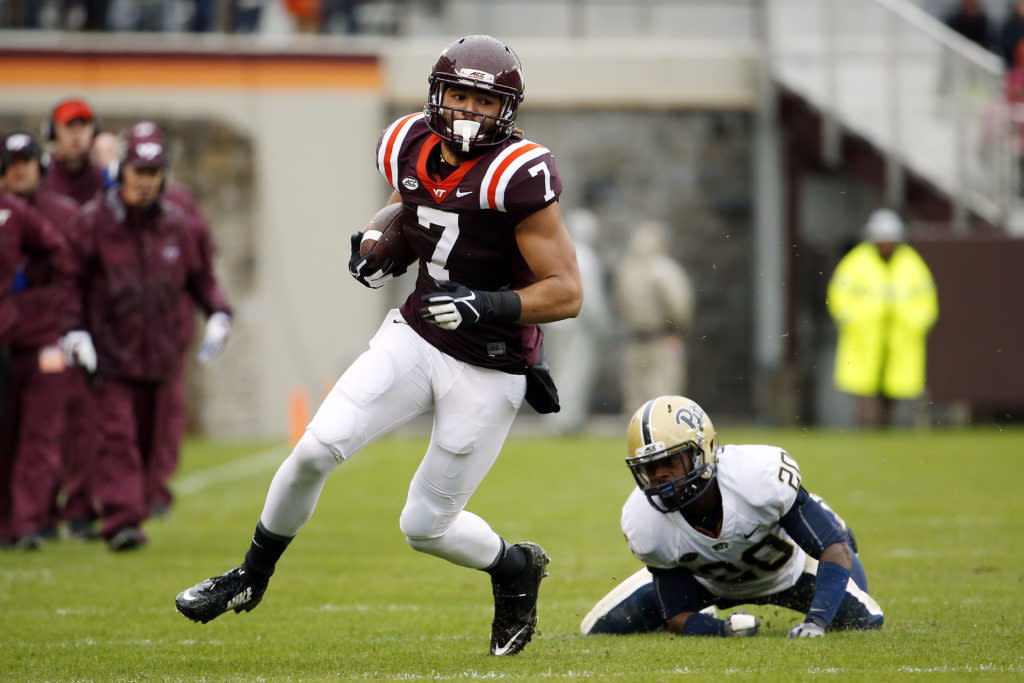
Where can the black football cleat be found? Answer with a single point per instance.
(237, 589)
(515, 604)
(128, 538)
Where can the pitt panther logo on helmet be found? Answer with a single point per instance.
(693, 417)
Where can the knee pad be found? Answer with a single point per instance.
(311, 454)
(421, 523)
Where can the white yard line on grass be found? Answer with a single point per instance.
(231, 471)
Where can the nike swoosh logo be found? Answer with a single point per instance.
(505, 648)
(187, 595)
(752, 532)
(460, 193)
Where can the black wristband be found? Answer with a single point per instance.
(502, 307)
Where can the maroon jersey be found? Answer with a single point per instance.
(81, 185)
(44, 304)
(136, 265)
(461, 225)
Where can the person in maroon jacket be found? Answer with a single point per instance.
(137, 258)
(163, 460)
(495, 260)
(37, 267)
(70, 129)
(22, 171)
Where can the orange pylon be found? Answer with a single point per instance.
(298, 414)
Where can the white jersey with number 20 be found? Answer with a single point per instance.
(753, 556)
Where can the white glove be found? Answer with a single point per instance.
(78, 349)
(807, 629)
(741, 625)
(218, 327)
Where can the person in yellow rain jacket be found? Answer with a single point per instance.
(883, 300)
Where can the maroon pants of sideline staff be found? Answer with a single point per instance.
(32, 425)
(129, 412)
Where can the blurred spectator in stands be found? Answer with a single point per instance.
(22, 13)
(1011, 33)
(307, 15)
(70, 130)
(970, 20)
(655, 301)
(1002, 125)
(573, 347)
(204, 16)
(84, 15)
(883, 300)
(341, 16)
(141, 15)
(247, 15)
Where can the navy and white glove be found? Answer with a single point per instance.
(79, 350)
(739, 624)
(455, 306)
(218, 327)
(366, 270)
(807, 629)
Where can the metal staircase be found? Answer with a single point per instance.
(930, 101)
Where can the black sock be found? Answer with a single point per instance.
(264, 552)
(511, 563)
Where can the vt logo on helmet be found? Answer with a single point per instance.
(671, 451)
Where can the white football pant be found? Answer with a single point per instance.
(399, 377)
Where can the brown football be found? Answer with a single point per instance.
(391, 243)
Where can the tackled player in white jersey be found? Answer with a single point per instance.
(722, 527)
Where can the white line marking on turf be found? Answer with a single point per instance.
(231, 471)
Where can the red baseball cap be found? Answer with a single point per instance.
(69, 110)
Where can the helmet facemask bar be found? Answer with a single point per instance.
(677, 493)
(493, 130)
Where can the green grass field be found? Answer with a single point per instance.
(939, 517)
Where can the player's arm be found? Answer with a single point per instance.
(816, 530)
(677, 590)
(548, 250)
(557, 294)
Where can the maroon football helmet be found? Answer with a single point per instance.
(484, 63)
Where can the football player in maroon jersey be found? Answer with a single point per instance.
(494, 260)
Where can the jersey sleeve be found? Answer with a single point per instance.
(767, 476)
(649, 536)
(812, 526)
(520, 180)
(390, 145)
